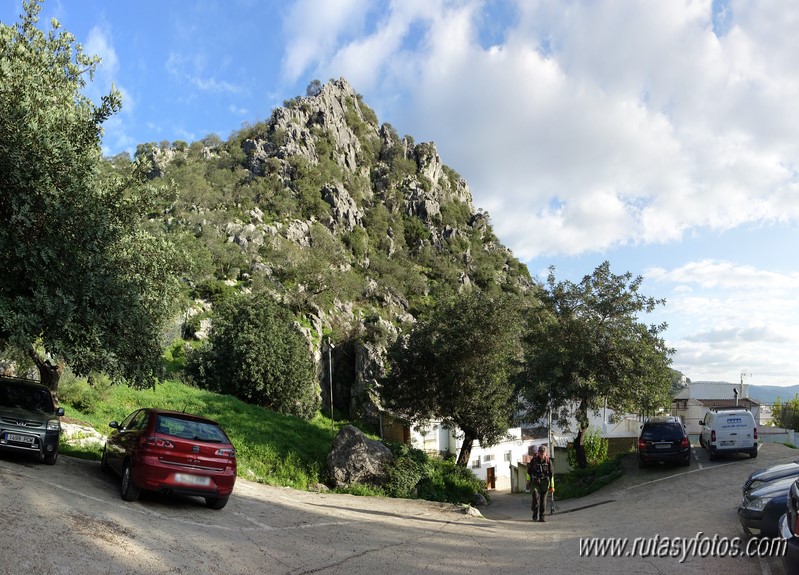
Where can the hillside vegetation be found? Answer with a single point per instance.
(271, 448)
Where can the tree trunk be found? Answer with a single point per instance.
(49, 373)
(466, 449)
(582, 423)
(579, 450)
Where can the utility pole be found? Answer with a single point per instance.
(330, 382)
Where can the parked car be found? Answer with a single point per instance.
(171, 452)
(761, 509)
(760, 477)
(663, 439)
(728, 431)
(788, 531)
(29, 421)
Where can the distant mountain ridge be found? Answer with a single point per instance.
(770, 393)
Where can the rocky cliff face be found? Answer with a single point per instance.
(386, 214)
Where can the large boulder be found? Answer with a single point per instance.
(354, 458)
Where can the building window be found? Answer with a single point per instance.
(476, 463)
(489, 457)
(508, 455)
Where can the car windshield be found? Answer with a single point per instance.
(25, 397)
(662, 431)
(189, 429)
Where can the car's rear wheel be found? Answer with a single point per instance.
(711, 455)
(753, 453)
(129, 491)
(216, 502)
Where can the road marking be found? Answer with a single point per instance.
(679, 474)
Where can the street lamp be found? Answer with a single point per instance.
(330, 347)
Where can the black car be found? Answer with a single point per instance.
(28, 419)
(663, 440)
(761, 477)
(761, 509)
(788, 530)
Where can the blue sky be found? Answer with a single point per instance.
(660, 136)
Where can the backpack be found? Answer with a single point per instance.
(537, 468)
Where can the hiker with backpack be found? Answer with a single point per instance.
(539, 469)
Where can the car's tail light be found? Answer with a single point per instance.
(713, 435)
(226, 452)
(158, 442)
(641, 444)
(755, 432)
(684, 442)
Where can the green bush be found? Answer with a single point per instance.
(85, 395)
(255, 353)
(582, 482)
(447, 482)
(406, 471)
(596, 449)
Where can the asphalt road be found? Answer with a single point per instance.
(69, 519)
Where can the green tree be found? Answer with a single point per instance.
(586, 346)
(786, 415)
(83, 283)
(457, 366)
(256, 353)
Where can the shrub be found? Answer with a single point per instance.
(406, 470)
(596, 449)
(85, 395)
(255, 353)
(447, 482)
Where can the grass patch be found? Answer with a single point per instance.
(581, 482)
(272, 448)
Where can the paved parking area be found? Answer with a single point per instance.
(660, 505)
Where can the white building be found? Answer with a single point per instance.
(491, 464)
(695, 400)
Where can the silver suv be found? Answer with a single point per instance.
(28, 419)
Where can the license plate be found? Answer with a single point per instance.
(189, 479)
(726, 443)
(662, 445)
(20, 438)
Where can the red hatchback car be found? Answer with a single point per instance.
(171, 452)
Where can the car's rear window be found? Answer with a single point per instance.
(189, 429)
(26, 397)
(667, 430)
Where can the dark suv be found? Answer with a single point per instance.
(663, 440)
(28, 419)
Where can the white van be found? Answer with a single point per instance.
(728, 431)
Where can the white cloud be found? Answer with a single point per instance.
(731, 317)
(314, 27)
(635, 111)
(193, 70)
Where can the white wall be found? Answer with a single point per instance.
(437, 438)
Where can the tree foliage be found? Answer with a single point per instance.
(786, 414)
(255, 353)
(457, 366)
(81, 277)
(586, 346)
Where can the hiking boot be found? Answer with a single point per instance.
(541, 518)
